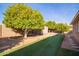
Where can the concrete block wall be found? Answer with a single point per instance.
(8, 32)
(45, 30)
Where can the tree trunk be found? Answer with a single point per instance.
(25, 33)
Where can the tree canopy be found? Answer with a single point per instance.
(21, 16)
(60, 27)
(51, 24)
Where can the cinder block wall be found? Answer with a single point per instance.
(45, 30)
(8, 32)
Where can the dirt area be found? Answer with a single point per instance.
(13, 42)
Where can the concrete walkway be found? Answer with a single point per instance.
(70, 43)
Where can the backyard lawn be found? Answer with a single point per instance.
(50, 46)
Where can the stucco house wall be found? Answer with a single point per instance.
(75, 24)
(0, 30)
(75, 31)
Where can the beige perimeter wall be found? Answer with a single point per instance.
(8, 32)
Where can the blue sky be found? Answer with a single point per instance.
(51, 11)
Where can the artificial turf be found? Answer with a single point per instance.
(47, 47)
(50, 46)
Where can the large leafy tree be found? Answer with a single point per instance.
(62, 27)
(21, 16)
(51, 24)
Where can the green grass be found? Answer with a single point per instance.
(50, 46)
(47, 47)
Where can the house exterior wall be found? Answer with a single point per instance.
(8, 32)
(75, 31)
(75, 27)
(0, 30)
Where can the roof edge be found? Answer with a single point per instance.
(75, 17)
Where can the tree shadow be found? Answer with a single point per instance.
(9, 42)
(34, 32)
(31, 32)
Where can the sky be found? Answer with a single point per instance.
(59, 12)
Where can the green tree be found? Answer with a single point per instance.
(51, 24)
(62, 27)
(66, 27)
(21, 16)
